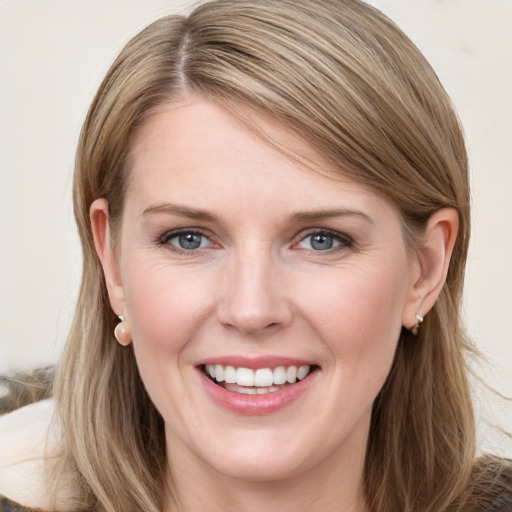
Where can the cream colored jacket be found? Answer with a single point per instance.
(30, 450)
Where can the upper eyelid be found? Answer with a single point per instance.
(320, 231)
(167, 235)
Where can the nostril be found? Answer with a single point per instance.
(251, 322)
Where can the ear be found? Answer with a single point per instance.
(100, 223)
(430, 264)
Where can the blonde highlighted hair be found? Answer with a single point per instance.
(346, 79)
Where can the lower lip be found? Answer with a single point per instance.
(256, 405)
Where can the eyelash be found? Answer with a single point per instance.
(165, 238)
(344, 240)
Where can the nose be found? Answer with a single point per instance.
(254, 299)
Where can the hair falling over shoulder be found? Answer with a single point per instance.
(345, 75)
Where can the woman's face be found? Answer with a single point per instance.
(236, 260)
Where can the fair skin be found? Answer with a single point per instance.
(232, 254)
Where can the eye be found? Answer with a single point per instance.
(185, 240)
(324, 241)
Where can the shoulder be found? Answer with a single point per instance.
(9, 506)
(493, 484)
(30, 445)
(503, 502)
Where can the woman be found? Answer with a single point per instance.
(273, 203)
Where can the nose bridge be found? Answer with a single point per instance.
(253, 299)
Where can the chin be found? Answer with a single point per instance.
(271, 454)
(261, 467)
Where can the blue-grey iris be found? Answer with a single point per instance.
(190, 240)
(321, 242)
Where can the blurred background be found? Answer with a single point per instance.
(53, 55)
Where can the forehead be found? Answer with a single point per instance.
(197, 150)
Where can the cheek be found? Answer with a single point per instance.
(165, 305)
(358, 300)
(359, 320)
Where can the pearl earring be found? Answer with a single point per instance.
(122, 333)
(416, 328)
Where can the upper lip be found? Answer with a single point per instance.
(254, 363)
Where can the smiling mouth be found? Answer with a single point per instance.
(256, 382)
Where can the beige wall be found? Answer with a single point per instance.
(53, 54)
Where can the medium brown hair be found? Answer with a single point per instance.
(346, 79)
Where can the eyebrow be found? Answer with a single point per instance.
(180, 211)
(205, 215)
(329, 214)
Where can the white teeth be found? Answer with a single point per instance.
(241, 389)
(245, 377)
(230, 375)
(251, 391)
(219, 373)
(279, 375)
(291, 374)
(265, 379)
(302, 372)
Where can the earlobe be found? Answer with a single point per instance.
(431, 266)
(100, 224)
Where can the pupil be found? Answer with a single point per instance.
(190, 241)
(321, 242)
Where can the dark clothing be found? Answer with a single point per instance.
(9, 506)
